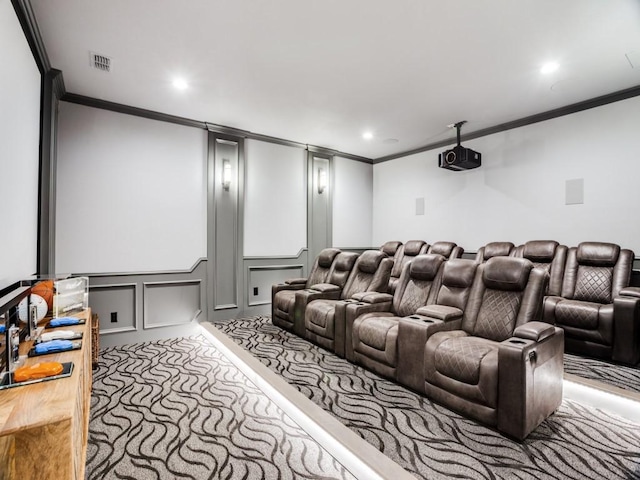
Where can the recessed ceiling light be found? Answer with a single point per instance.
(367, 135)
(180, 84)
(549, 68)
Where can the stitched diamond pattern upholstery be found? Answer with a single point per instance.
(497, 316)
(460, 357)
(415, 296)
(594, 284)
(578, 314)
(546, 266)
(360, 283)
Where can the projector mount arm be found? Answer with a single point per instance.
(457, 126)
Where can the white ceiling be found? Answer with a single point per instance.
(323, 72)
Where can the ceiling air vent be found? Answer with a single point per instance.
(100, 62)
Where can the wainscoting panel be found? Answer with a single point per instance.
(171, 303)
(263, 272)
(115, 305)
(260, 280)
(149, 305)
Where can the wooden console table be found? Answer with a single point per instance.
(44, 427)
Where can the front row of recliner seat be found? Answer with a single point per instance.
(463, 334)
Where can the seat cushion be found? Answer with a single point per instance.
(586, 321)
(285, 299)
(319, 317)
(464, 366)
(375, 336)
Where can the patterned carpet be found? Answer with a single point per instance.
(431, 441)
(620, 376)
(179, 409)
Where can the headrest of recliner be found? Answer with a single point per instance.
(443, 248)
(506, 273)
(412, 247)
(345, 261)
(370, 260)
(425, 267)
(325, 259)
(598, 254)
(540, 250)
(459, 273)
(497, 249)
(390, 248)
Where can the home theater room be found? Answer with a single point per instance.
(354, 239)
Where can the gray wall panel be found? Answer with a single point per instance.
(114, 298)
(171, 303)
(263, 277)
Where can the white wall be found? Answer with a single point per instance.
(275, 203)
(518, 193)
(131, 193)
(352, 203)
(19, 151)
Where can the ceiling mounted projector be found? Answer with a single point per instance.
(459, 158)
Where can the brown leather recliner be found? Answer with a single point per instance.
(331, 289)
(494, 249)
(372, 331)
(548, 255)
(370, 274)
(599, 312)
(446, 249)
(283, 294)
(445, 313)
(391, 248)
(407, 252)
(500, 367)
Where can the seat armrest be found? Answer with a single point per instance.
(626, 328)
(549, 308)
(630, 292)
(296, 281)
(413, 333)
(536, 331)
(372, 297)
(441, 312)
(325, 287)
(530, 377)
(278, 287)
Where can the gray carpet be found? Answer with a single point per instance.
(621, 376)
(432, 442)
(179, 409)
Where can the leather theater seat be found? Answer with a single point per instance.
(500, 367)
(598, 311)
(283, 294)
(445, 313)
(548, 255)
(494, 249)
(447, 249)
(316, 311)
(372, 323)
(407, 252)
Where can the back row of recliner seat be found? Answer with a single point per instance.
(445, 332)
(589, 295)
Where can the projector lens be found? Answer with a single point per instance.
(450, 158)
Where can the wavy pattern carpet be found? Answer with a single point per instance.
(179, 409)
(620, 376)
(431, 441)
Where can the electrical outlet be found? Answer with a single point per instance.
(114, 317)
(255, 291)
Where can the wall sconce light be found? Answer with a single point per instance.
(322, 180)
(226, 174)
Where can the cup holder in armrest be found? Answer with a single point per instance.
(415, 317)
(518, 342)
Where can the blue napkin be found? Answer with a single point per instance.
(64, 321)
(54, 346)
